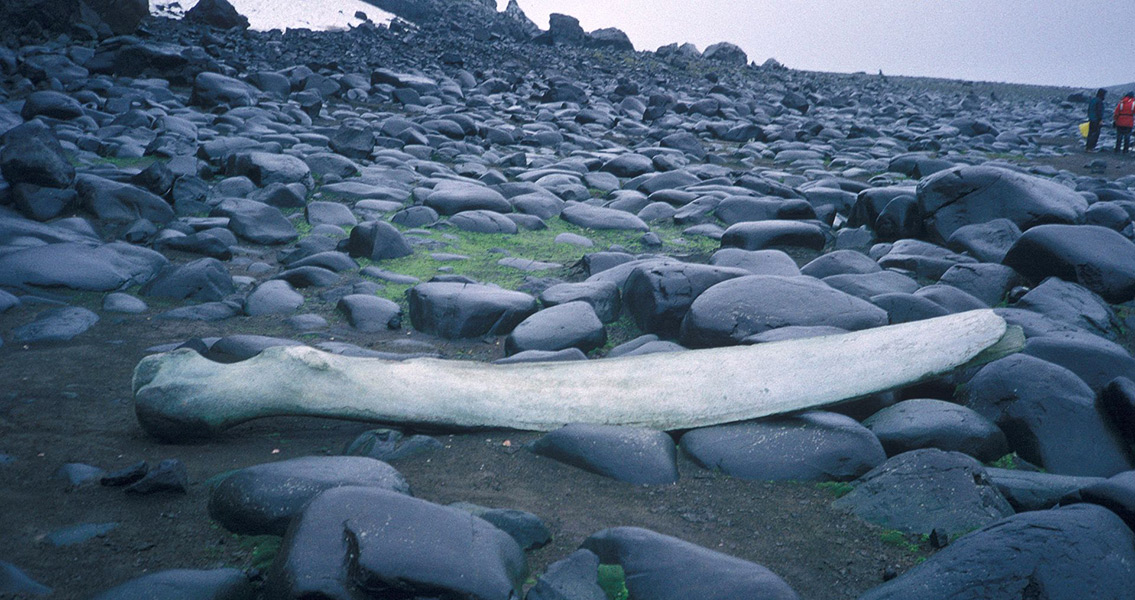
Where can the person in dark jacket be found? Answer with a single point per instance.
(1124, 121)
(1095, 119)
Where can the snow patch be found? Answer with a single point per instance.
(281, 14)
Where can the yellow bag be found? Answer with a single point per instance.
(1084, 129)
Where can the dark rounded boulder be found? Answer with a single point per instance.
(928, 423)
(660, 567)
(351, 541)
(263, 499)
(1080, 551)
(814, 446)
(967, 195)
(732, 310)
(630, 454)
(1049, 415)
(455, 310)
(1095, 257)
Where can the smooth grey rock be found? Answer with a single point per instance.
(659, 296)
(572, 578)
(969, 195)
(524, 527)
(390, 444)
(329, 213)
(377, 240)
(265, 168)
(121, 202)
(732, 310)
(927, 489)
(927, 423)
(184, 584)
(370, 314)
(458, 310)
(595, 217)
(211, 90)
(661, 567)
(451, 198)
(1117, 494)
(55, 325)
(169, 476)
(1093, 359)
(1097, 258)
(868, 285)
(264, 499)
(1049, 416)
(1032, 490)
(988, 241)
(761, 235)
(630, 454)
(1073, 305)
(205, 279)
(483, 221)
(272, 297)
(569, 325)
(81, 266)
(840, 262)
(987, 282)
(1080, 551)
(397, 542)
(756, 262)
(257, 222)
(814, 446)
(603, 296)
(14, 581)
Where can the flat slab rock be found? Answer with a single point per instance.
(353, 542)
(923, 490)
(263, 499)
(1081, 551)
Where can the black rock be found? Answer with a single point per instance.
(661, 567)
(814, 446)
(732, 310)
(183, 584)
(630, 454)
(390, 444)
(263, 499)
(970, 195)
(571, 578)
(377, 240)
(524, 527)
(127, 475)
(569, 325)
(352, 541)
(1097, 258)
(460, 310)
(169, 476)
(924, 490)
(1049, 416)
(1080, 551)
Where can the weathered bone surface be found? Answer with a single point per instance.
(181, 395)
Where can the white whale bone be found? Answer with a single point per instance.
(182, 395)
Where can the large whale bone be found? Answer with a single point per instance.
(181, 395)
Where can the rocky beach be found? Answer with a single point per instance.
(443, 304)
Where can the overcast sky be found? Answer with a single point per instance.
(1086, 43)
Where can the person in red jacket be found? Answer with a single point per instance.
(1124, 121)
